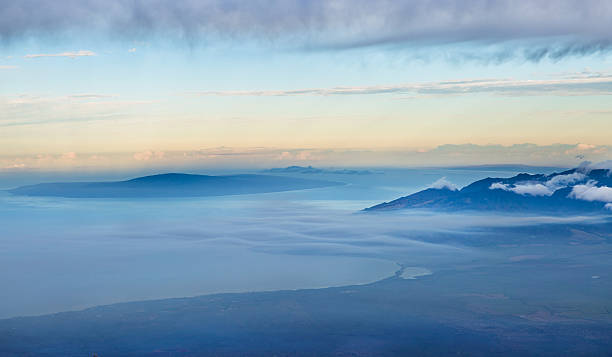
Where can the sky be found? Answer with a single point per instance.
(88, 84)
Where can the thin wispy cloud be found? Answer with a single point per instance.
(597, 85)
(559, 28)
(92, 96)
(76, 54)
(28, 110)
(8, 67)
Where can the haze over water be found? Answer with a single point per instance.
(305, 178)
(63, 254)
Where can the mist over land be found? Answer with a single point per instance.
(300, 264)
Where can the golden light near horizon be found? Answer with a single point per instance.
(186, 86)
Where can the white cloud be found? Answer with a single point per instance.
(499, 186)
(581, 148)
(8, 67)
(590, 192)
(561, 181)
(540, 189)
(148, 155)
(443, 183)
(533, 189)
(81, 53)
(15, 166)
(585, 146)
(132, 50)
(298, 155)
(69, 155)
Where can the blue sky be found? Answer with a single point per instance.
(127, 83)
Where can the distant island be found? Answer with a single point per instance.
(172, 185)
(315, 170)
(505, 167)
(573, 191)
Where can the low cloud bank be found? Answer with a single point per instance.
(560, 155)
(588, 166)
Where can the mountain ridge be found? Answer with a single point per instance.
(571, 191)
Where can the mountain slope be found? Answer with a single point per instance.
(569, 191)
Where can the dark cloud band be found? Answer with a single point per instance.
(575, 27)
